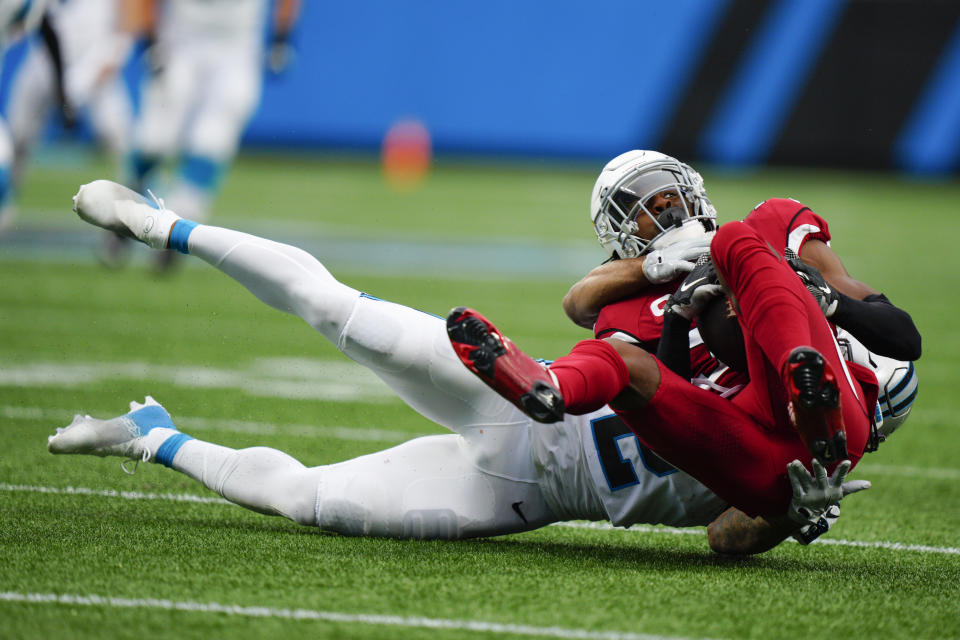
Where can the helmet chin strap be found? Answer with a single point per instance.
(687, 231)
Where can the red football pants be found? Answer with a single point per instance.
(740, 448)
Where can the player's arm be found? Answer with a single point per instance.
(695, 292)
(619, 279)
(137, 17)
(285, 15)
(862, 310)
(735, 533)
(280, 51)
(813, 509)
(605, 284)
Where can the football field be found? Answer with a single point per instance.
(87, 551)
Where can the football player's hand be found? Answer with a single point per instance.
(810, 532)
(663, 265)
(697, 289)
(280, 54)
(825, 295)
(155, 55)
(814, 494)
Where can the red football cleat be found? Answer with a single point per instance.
(814, 405)
(503, 367)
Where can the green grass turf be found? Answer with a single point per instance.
(64, 310)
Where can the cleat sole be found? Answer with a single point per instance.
(543, 403)
(815, 405)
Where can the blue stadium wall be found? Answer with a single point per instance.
(859, 83)
(865, 83)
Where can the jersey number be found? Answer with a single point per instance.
(619, 450)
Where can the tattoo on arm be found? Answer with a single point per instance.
(736, 533)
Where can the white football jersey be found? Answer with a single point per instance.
(593, 464)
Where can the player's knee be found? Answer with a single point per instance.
(385, 337)
(321, 305)
(440, 524)
(353, 518)
(359, 503)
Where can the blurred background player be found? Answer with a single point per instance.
(76, 71)
(206, 60)
(17, 18)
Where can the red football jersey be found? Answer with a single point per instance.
(785, 223)
(782, 222)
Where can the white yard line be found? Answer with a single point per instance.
(597, 526)
(323, 616)
(190, 423)
(640, 528)
(295, 378)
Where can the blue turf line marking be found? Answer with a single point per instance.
(930, 139)
(774, 69)
(180, 235)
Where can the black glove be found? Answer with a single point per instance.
(825, 295)
(280, 53)
(699, 287)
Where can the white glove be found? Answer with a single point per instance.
(663, 265)
(812, 496)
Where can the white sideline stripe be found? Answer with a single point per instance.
(641, 528)
(919, 472)
(189, 423)
(111, 493)
(597, 526)
(325, 616)
(636, 528)
(297, 378)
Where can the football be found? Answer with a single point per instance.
(722, 334)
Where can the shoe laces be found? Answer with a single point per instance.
(145, 457)
(156, 200)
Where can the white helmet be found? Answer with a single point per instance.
(625, 185)
(897, 379)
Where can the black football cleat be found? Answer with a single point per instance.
(503, 367)
(814, 405)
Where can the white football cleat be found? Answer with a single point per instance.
(124, 211)
(135, 435)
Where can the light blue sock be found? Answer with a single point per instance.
(156, 417)
(180, 234)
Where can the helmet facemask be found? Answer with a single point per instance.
(622, 204)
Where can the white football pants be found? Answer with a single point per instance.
(199, 106)
(478, 481)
